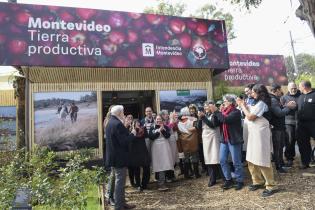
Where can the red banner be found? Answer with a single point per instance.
(36, 35)
(247, 68)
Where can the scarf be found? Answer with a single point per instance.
(225, 127)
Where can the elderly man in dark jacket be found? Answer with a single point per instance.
(118, 140)
(290, 122)
(278, 124)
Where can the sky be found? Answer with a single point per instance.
(264, 30)
(64, 95)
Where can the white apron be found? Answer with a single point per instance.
(245, 133)
(259, 145)
(173, 138)
(211, 144)
(162, 158)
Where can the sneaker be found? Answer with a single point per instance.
(281, 170)
(210, 184)
(228, 184)
(163, 188)
(239, 185)
(254, 187)
(267, 193)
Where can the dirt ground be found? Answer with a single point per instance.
(297, 191)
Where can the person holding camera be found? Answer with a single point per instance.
(139, 156)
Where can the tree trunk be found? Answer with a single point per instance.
(20, 95)
(306, 11)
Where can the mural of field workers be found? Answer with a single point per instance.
(66, 120)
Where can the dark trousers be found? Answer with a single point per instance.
(278, 138)
(290, 140)
(134, 176)
(306, 130)
(213, 172)
(201, 156)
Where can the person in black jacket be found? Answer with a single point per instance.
(162, 158)
(306, 122)
(231, 141)
(139, 156)
(278, 125)
(118, 139)
(290, 123)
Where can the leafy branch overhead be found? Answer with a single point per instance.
(207, 11)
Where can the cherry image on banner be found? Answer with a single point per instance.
(37, 35)
(252, 68)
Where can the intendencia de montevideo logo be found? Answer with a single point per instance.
(37, 27)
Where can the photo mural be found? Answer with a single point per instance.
(176, 99)
(7, 127)
(66, 120)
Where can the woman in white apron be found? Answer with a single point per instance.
(171, 123)
(259, 142)
(211, 141)
(162, 158)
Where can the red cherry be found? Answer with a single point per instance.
(134, 15)
(3, 17)
(117, 37)
(17, 46)
(185, 40)
(219, 36)
(132, 36)
(201, 28)
(177, 61)
(192, 24)
(109, 48)
(132, 55)
(116, 20)
(66, 16)
(76, 38)
(202, 42)
(177, 26)
(154, 19)
(85, 14)
(22, 17)
(121, 62)
(139, 23)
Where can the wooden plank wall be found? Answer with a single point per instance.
(69, 80)
(7, 98)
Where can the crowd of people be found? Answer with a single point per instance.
(255, 127)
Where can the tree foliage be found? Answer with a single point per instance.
(305, 64)
(207, 11)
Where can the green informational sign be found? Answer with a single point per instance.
(183, 92)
